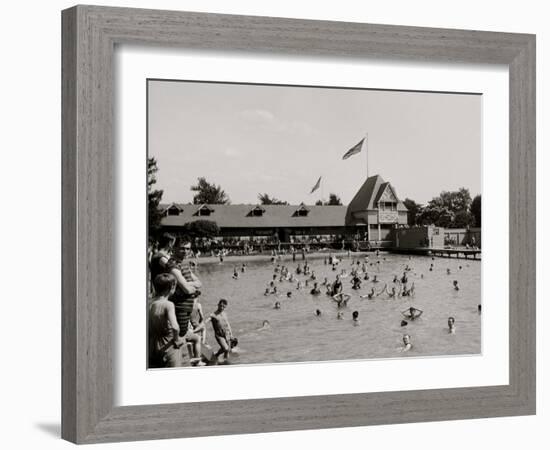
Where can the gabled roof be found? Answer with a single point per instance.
(381, 191)
(170, 206)
(368, 195)
(237, 216)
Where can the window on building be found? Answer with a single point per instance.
(257, 212)
(301, 212)
(204, 211)
(173, 211)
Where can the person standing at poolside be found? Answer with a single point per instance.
(187, 288)
(197, 321)
(164, 340)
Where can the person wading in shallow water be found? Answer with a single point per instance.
(222, 329)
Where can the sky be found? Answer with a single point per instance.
(279, 140)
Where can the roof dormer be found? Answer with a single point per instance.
(204, 210)
(173, 210)
(258, 211)
(302, 211)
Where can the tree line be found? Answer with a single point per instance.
(450, 209)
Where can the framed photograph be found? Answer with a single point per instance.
(286, 215)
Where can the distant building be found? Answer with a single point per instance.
(377, 208)
(371, 215)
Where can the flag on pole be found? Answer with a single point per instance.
(316, 186)
(355, 149)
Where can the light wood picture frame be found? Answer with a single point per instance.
(90, 34)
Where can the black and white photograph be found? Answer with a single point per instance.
(292, 224)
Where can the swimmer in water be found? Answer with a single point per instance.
(289, 294)
(277, 305)
(235, 273)
(408, 292)
(315, 290)
(406, 343)
(299, 285)
(266, 291)
(412, 313)
(404, 323)
(375, 280)
(355, 317)
(341, 299)
(448, 271)
(392, 293)
(370, 295)
(455, 284)
(366, 277)
(451, 324)
(340, 315)
(318, 312)
(243, 268)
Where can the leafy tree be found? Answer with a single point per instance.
(413, 212)
(433, 214)
(154, 197)
(201, 229)
(443, 210)
(265, 199)
(463, 219)
(208, 193)
(456, 200)
(333, 199)
(475, 209)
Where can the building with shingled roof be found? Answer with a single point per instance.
(371, 215)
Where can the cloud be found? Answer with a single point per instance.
(269, 121)
(258, 115)
(232, 152)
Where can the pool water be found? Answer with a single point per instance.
(296, 334)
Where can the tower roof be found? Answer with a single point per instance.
(368, 195)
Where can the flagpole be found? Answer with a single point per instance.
(367, 151)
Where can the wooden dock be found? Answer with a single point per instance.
(465, 253)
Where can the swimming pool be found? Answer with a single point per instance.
(296, 334)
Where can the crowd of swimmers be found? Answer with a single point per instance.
(303, 276)
(177, 325)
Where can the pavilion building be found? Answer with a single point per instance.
(372, 214)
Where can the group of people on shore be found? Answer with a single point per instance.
(176, 323)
